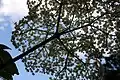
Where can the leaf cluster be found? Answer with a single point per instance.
(7, 66)
(87, 28)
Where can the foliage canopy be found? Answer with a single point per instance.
(84, 31)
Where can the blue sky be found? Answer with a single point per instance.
(11, 11)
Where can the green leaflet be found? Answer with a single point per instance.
(9, 70)
(5, 75)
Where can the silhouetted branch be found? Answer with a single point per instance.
(28, 51)
(89, 24)
(58, 21)
(48, 40)
(72, 54)
(53, 37)
(65, 66)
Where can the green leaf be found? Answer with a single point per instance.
(5, 75)
(9, 70)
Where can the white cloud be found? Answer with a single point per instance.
(16, 9)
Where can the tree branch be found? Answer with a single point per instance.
(28, 51)
(65, 66)
(67, 30)
(48, 40)
(58, 21)
(72, 54)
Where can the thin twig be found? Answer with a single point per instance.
(70, 52)
(67, 30)
(58, 21)
(65, 66)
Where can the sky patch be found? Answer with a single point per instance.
(15, 9)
